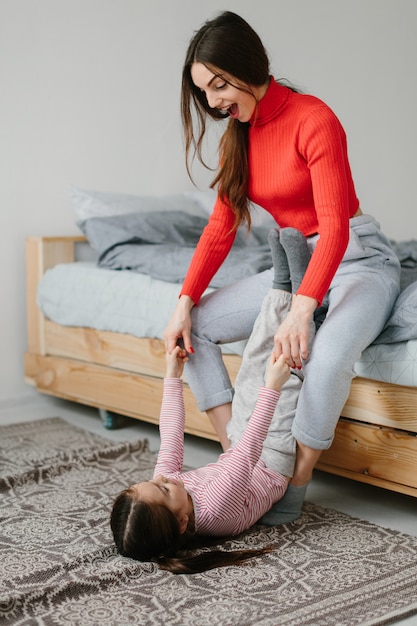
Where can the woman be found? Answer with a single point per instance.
(286, 152)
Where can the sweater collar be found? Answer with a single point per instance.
(271, 104)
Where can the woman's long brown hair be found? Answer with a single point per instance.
(225, 44)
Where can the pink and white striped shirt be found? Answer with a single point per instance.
(231, 494)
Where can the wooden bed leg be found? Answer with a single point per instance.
(112, 421)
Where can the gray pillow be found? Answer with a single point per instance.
(162, 244)
(88, 204)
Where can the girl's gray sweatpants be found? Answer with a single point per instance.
(279, 446)
(360, 299)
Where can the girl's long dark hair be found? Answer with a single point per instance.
(148, 532)
(225, 44)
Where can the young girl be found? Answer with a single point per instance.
(286, 152)
(155, 520)
(176, 511)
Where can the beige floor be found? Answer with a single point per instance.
(382, 507)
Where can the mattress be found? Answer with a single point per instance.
(82, 294)
(392, 363)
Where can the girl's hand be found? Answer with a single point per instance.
(175, 362)
(278, 372)
(179, 326)
(291, 338)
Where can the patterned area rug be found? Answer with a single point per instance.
(58, 564)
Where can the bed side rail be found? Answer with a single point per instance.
(41, 254)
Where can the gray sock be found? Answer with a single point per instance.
(281, 278)
(287, 509)
(298, 254)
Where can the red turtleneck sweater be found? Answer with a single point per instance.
(299, 172)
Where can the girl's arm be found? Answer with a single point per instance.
(171, 428)
(228, 491)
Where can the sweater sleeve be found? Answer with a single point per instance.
(171, 428)
(324, 147)
(212, 249)
(227, 493)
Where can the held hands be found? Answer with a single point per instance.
(179, 326)
(278, 372)
(291, 338)
(175, 362)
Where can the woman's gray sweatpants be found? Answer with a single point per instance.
(360, 299)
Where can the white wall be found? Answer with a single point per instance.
(89, 95)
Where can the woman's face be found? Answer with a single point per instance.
(221, 94)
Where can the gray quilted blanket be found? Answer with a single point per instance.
(161, 244)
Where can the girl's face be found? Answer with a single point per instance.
(221, 94)
(167, 491)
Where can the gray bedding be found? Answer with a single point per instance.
(161, 245)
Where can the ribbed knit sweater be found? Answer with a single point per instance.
(229, 496)
(299, 172)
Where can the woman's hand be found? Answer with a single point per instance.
(179, 326)
(291, 338)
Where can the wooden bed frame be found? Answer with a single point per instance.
(376, 437)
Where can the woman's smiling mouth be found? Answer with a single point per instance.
(232, 110)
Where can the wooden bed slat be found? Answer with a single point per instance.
(375, 441)
(135, 395)
(381, 403)
(126, 352)
(377, 452)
